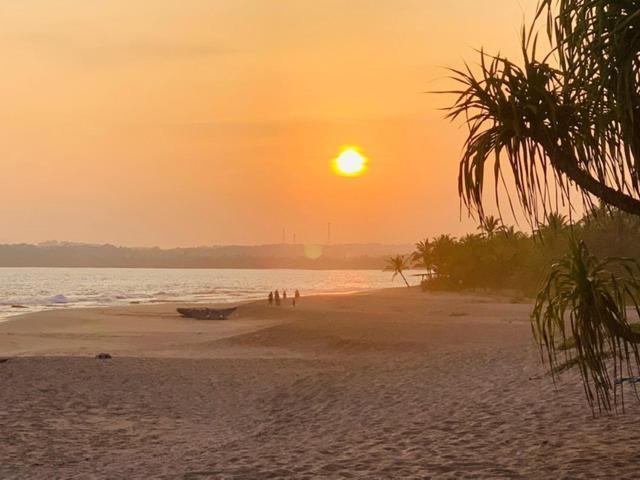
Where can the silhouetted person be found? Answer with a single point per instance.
(294, 302)
(297, 294)
(270, 298)
(284, 295)
(277, 298)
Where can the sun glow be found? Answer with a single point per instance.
(350, 162)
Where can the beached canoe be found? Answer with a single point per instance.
(207, 313)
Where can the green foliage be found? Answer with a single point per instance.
(586, 292)
(490, 225)
(422, 255)
(504, 259)
(510, 259)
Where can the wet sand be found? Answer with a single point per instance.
(390, 384)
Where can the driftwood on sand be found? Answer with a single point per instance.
(207, 313)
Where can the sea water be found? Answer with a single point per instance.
(24, 290)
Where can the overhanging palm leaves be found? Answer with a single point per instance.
(594, 299)
(598, 42)
(553, 126)
(569, 120)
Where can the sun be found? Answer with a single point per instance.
(350, 162)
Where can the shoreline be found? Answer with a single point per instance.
(173, 303)
(148, 330)
(500, 296)
(47, 289)
(388, 384)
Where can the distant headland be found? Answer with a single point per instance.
(295, 256)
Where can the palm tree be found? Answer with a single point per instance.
(422, 255)
(398, 264)
(556, 223)
(490, 225)
(441, 250)
(555, 226)
(511, 233)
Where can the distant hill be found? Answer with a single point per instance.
(321, 257)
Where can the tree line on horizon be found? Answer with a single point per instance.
(55, 254)
(500, 258)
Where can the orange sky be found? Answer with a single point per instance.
(198, 122)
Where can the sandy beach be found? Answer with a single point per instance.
(388, 384)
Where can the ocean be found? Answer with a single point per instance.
(36, 289)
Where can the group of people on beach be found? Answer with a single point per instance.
(274, 297)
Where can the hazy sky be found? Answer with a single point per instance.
(193, 122)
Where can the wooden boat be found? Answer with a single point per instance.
(207, 313)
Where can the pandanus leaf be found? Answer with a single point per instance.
(591, 298)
